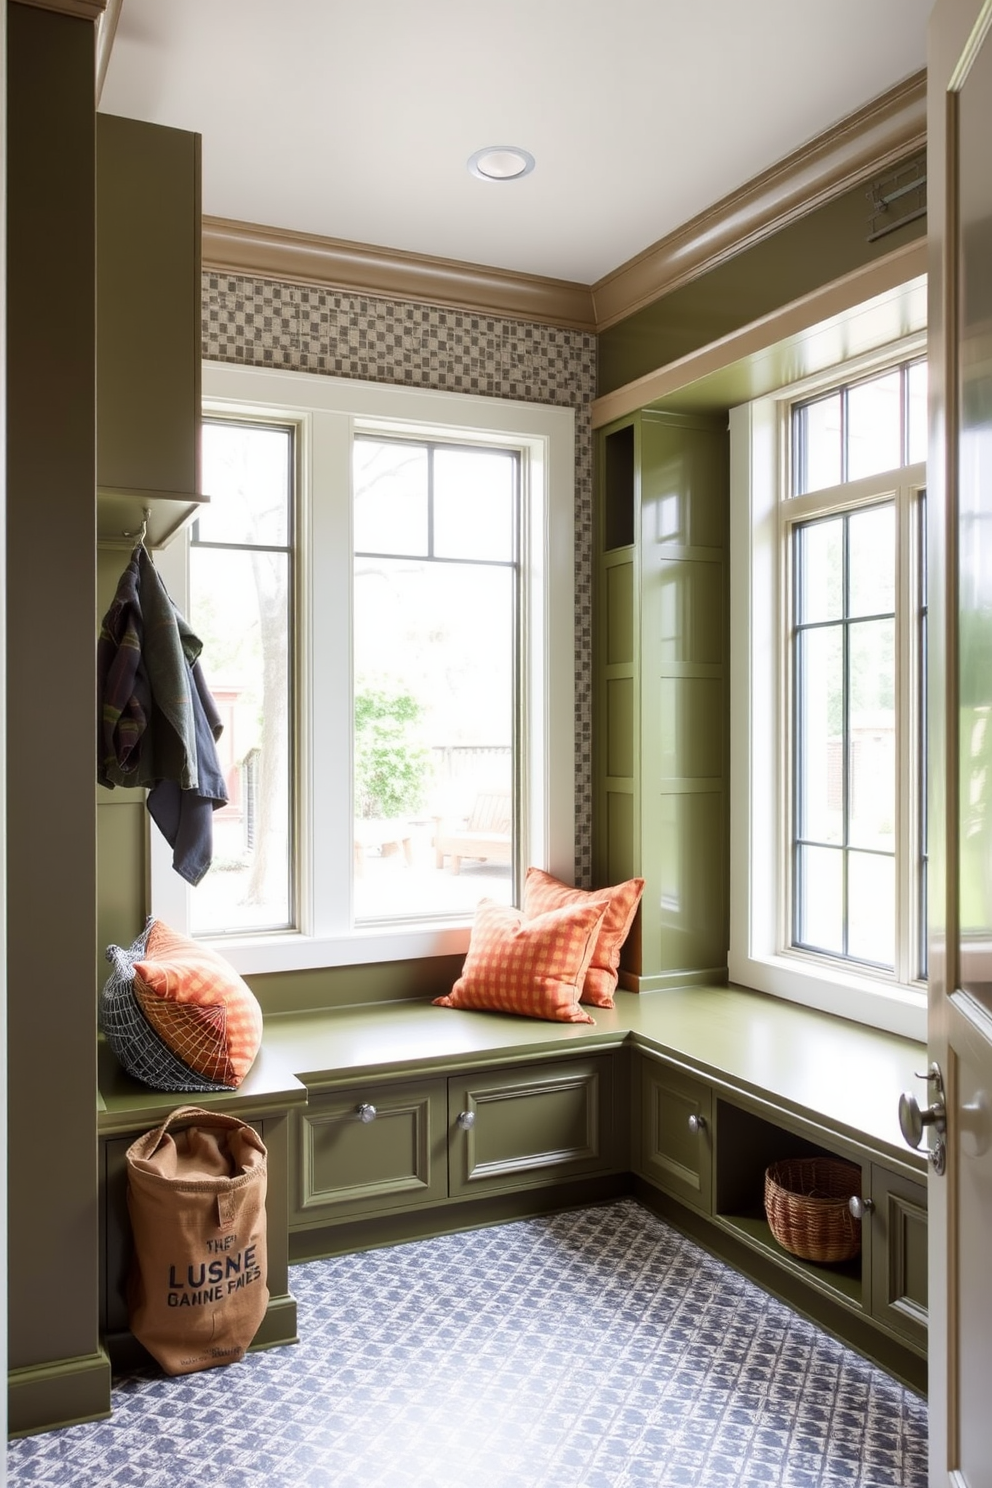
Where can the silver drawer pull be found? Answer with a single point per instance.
(367, 1113)
(466, 1120)
(697, 1124)
(860, 1207)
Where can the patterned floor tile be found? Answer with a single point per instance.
(593, 1349)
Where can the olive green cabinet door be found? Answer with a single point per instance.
(368, 1150)
(530, 1125)
(898, 1239)
(148, 365)
(674, 1142)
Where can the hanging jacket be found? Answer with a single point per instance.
(185, 817)
(158, 722)
(145, 650)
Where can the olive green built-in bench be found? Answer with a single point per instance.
(399, 1120)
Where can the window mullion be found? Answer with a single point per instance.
(908, 715)
(845, 725)
(796, 743)
(327, 824)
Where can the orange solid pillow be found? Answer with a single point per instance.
(198, 1005)
(534, 967)
(543, 892)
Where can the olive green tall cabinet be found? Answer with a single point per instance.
(102, 424)
(58, 1370)
(660, 689)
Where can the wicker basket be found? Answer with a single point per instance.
(806, 1201)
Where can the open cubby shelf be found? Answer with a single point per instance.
(747, 1145)
(842, 1280)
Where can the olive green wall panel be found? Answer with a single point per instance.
(691, 733)
(620, 857)
(120, 855)
(343, 986)
(683, 482)
(691, 611)
(661, 744)
(690, 913)
(619, 613)
(822, 246)
(620, 726)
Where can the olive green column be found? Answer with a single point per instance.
(661, 690)
(57, 1370)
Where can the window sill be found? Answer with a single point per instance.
(290, 951)
(892, 1007)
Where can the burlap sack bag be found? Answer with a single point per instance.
(198, 1285)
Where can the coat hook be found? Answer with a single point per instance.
(139, 537)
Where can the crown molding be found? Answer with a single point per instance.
(84, 10)
(304, 258)
(870, 140)
(105, 33)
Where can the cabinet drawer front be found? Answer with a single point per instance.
(351, 1166)
(899, 1254)
(671, 1154)
(530, 1125)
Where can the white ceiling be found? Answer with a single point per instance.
(355, 121)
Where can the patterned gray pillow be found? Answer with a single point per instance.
(138, 1047)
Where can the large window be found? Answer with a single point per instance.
(241, 553)
(436, 632)
(383, 584)
(828, 830)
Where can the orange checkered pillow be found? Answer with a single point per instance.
(542, 892)
(534, 967)
(198, 1005)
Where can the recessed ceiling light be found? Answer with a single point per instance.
(501, 163)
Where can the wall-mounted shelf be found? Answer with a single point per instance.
(119, 515)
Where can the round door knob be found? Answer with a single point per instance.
(860, 1207)
(367, 1113)
(697, 1124)
(913, 1122)
(466, 1120)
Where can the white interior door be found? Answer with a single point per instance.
(959, 150)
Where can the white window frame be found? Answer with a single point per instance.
(327, 412)
(760, 711)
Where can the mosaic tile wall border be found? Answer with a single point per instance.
(260, 322)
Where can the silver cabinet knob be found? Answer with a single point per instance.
(466, 1120)
(697, 1124)
(860, 1207)
(367, 1113)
